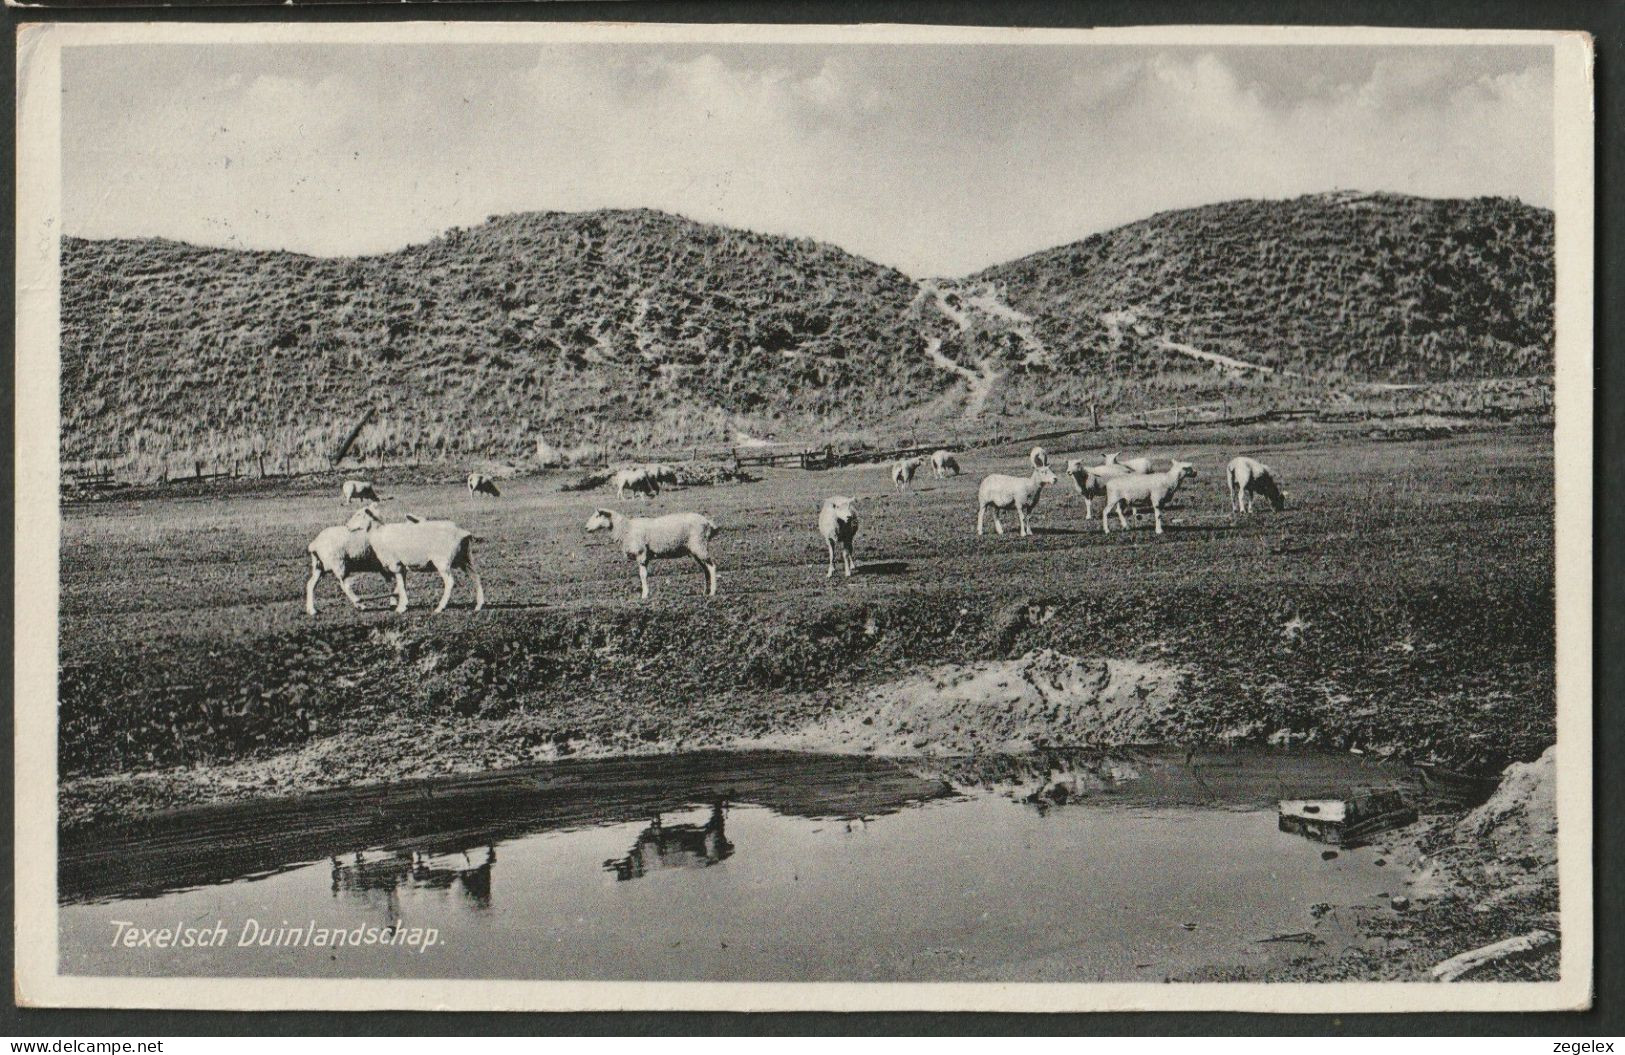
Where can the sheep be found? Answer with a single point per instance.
(838, 523)
(902, 473)
(1090, 481)
(1133, 465)
(662, 473)
(359, 491)
(638, 478)
(942, 463)
(1246, 478)
(1143, 487)
(342, 551)
(673, 535)
(481, 484)
(1011, 492)
(420, 545)
(1039, 457)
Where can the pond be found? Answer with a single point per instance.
(761, 867)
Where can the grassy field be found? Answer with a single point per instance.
(1402, 604)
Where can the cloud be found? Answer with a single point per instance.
(936, 159)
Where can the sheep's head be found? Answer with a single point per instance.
(1044, 474)
(365, 518)
(1182, 470)
(601, 520)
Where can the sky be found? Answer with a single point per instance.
(936, 159)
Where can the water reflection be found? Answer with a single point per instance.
(662, 846)
(388, 872)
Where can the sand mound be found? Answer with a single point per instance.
(1508, 845)
(1044, 698)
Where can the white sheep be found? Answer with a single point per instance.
(344, 552)
(1039, 457)
(637, 478)
(674, 535)
(1143, 487)
(902, 473)
(359, 491)
(1090, 481)
(1246, 478)
(943, 463)
(838, 523)
(420, 545)
(1011, 492)
(662, 473)
(481, 484)
(1133, 465)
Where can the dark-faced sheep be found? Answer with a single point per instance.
(481, 484)
(944, 464)
(359, 491)
(1247, 478)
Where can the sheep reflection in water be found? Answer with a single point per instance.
(386, 874)
(661, 846)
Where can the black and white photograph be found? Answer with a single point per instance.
(577, 516)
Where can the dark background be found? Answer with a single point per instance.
(1604, 19)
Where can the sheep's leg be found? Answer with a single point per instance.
(400, 592)
(1156, 512)
(1106, 518)
(1120, 519)
(310, 584)
(643, 577)
(479, 588)
(1021, 518)
(830, 545)
(710, 575)
(850, 562)
(1088, 508)
(998, 525)
(981, 511)
(349, 591)
(445, 593)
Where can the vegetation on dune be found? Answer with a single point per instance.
(1344, 285)
(610, 333)
(624, 329)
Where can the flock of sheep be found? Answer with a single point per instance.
(366, 543)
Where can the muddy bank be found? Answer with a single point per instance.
(1460, 676)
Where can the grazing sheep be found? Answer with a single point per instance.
(359, 491)
(1090, 481)
(1143, 487)
(342, 551)
(644, 538)
(481, 484)
(1011, 492)
(943, 463)
(1133, 465)
(1039, 457)
(838, 523)
(420, 545)
(902, 473)
(662, 473)
(1246, 478)
(637, 478)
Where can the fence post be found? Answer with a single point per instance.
(1094, 416)
(199, 468)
